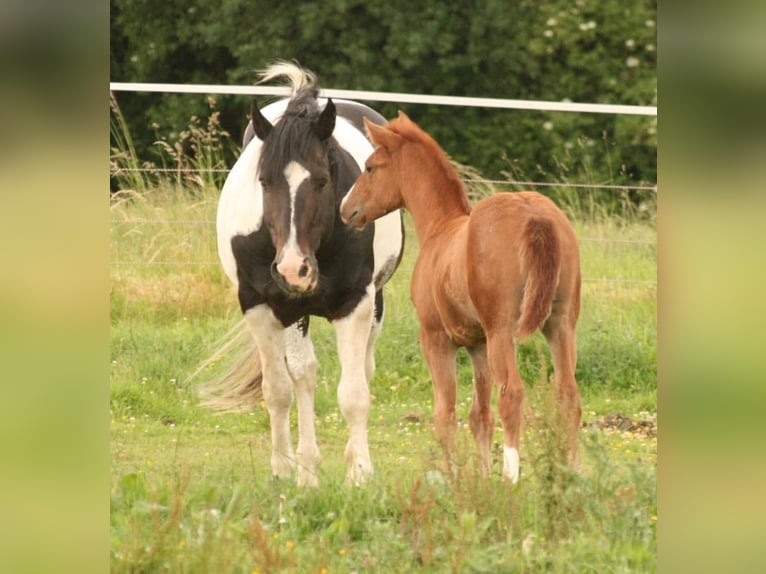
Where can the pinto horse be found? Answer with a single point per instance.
(485, 278)
(282, 244)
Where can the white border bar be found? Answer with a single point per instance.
(389, 97)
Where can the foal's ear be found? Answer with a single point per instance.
(261, 126)
(382, 136)
(405, 117)
(325, 123)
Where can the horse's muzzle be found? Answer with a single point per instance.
(296, 275)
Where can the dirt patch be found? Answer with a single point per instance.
(622, 423)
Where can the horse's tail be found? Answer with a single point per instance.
(238, 388)
(297, 77)
(540, 264)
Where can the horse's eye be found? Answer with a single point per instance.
(368, 168)
(321, 183)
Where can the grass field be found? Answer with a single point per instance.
(192, 490)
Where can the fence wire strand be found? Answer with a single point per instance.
(615, 280)
(472, 180)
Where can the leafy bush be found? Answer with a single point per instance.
(602, 52)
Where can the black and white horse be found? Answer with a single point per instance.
(282, 243)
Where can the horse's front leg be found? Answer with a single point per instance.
(269, 336)
(440, 353)
(302, 364)
(352, 333)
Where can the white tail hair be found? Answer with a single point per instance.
(297, 77)
(238, 388)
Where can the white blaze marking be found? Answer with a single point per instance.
(295, 174)
(511, 463)
(345, 197)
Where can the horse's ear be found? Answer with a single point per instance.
(261, 126)
(382, 136)
(325, 123)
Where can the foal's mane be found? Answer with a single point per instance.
(410, 131)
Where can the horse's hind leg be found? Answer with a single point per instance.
(482, 421)
(560, 334)
(302, 365)
(352, 334)
(269, 336)
(501, 353)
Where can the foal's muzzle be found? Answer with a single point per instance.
(353, 216)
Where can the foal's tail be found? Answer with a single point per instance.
(238, 388)
(540, 264)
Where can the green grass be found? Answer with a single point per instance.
(192, 491)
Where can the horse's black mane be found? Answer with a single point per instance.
(292, 137)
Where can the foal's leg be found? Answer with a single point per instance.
(439, 352)
(561, 339)
(302, 365)
(269, 336)
(482, 421)
(501, 353)
(352, 333)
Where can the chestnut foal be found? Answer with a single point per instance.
(485, 278)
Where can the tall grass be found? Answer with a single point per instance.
(592, 199)
(124, 164)
(192, 491)
(195, 160)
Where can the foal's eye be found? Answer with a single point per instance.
(320, 183)
(368, 168)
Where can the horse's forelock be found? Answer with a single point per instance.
(304, 104)
(291, 139)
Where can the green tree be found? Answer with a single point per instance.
(587, 51)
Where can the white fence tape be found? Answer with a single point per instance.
(390, 97)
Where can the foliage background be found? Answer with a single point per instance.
(583, 51)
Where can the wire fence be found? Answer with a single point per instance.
(210, 224)
(470, 180)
